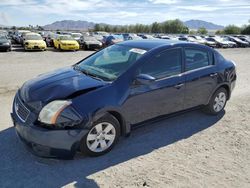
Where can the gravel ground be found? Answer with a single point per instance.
(191, 150)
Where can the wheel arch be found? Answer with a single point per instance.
(222, 85)
(125, 127)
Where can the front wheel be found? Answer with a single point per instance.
(102, 136)
(217, 102)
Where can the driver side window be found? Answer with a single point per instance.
(165, 64)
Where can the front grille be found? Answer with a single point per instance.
(21, 110)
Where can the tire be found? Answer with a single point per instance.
(97, 141)
(59, 47)
(217, 102)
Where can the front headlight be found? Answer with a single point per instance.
(6, 43)
(51, 111)
(60, 113)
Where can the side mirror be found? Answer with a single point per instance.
(144, 79)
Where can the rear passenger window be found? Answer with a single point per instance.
(167, 63)
(197, 58)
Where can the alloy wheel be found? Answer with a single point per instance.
(219, 101)
(101, 137)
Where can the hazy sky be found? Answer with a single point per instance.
(42, 12)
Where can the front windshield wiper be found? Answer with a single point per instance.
(86, 72)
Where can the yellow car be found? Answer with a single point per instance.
(65, 42)
(34, 41)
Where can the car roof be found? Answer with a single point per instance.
(148, 44)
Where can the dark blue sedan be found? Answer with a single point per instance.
(89, 105)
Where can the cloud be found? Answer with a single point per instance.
(204, 8)
(163, 1)
(4, 18)
(124, 12)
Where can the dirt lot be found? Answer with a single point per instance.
(191, 150)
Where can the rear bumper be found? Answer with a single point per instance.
(48, 143)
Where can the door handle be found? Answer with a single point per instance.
(178, 86)
(213, 75)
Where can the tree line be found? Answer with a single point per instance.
(233, 29)
(170, 26)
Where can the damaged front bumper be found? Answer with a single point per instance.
(43, 142)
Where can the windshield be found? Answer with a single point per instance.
(2, 37)
(66, 37)
(111, 62)
(76, 35)
(33, 37)
(89, 38)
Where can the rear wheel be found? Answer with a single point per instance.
(102, 136)
(217, 102)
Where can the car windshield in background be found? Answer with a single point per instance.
(76, 35)
(117, 37)
(111, 62)
(66, 37)
(89, 38)
(33, 37)
(2, 37)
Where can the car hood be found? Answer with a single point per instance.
(3, 41)
(92, 42)
(59, 84)
(69, 42)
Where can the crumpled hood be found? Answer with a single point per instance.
(58, 84)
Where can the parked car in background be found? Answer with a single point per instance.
(89, 105)
(66, 42)
(197, 39)
(5, 43)
(245, 39)
(231, 44)
(183, 38)
(76, 36)
(18, 36)
(238, 41)
(98, 37)
(130, 36)
(49, 39)
(219, 43)
(34, 41)
(89, 43)
(101, 33)
(112, 39)
(146, 36)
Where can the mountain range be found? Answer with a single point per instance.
(85, 25)
(70, 25)
(196, 24)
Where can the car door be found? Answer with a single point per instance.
(162, 96)
(200, 76)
